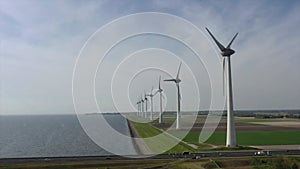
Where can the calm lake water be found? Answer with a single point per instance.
(52, 135)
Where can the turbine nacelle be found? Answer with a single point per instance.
(159, 90)
(227, 52)
(151, 93)
(145, 96)
(176, 80)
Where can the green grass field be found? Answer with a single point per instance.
(250, 138)
(147, 130)
(223, 119)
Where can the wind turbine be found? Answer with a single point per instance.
(138, 108)
(159, 90)
(151, 101)
(226, 53)
(146, 108)
(142, 107)
(177, 81)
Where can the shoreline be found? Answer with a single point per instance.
(140, 145)
(133, 135)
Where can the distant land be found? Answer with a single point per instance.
(236, 112)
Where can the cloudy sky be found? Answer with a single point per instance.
(41, 40)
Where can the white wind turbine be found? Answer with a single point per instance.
(142, 107)
(177, 81)
(226, 53)
(159, 90)
(138, 108)
(151, 101)
(145, 100)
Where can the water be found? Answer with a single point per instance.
(52, 136)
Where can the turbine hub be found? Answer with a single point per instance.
(178, 81)
(227, 52)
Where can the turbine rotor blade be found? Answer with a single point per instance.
(155, 92)
(170, 80)
(177, 76)
(221, 47)
(163, 96)
(159, 82)
(228, 46)
(152, 90)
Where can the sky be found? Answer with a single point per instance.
(40, 42)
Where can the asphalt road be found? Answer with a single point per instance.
(199, 155)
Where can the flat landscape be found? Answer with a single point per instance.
(250, 132)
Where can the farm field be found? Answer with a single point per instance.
(249, 138)
(250, 131)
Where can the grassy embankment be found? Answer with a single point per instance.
(147, 131)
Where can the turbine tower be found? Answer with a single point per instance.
(177, 81)
(159, 90)
(151, 101)
(226, 53)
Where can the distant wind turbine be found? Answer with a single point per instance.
(138, 108)
(145, 100)
(177, 81)
(159, 90)
(142, 107)
(151, 101)
(226, 53)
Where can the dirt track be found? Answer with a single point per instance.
(295, 124)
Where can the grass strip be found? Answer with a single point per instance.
(147, 131)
